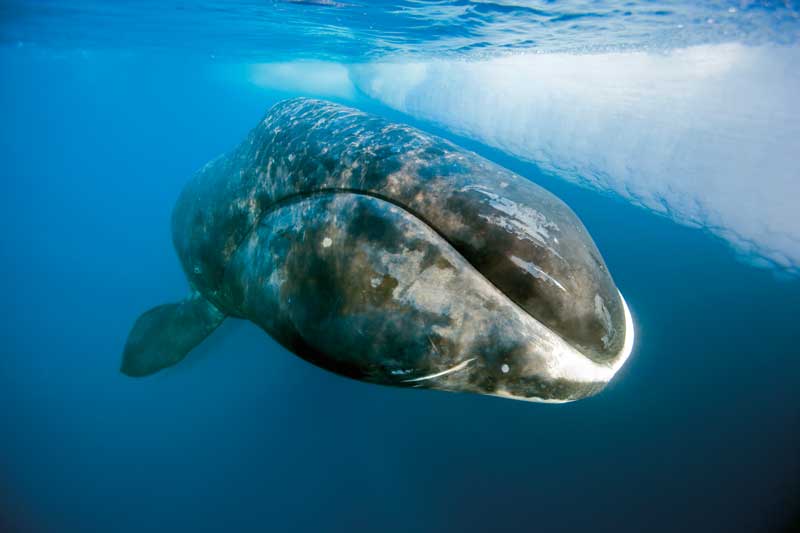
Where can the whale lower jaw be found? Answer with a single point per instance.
(604, 373)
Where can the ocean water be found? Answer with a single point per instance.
(671, 129)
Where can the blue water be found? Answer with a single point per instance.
(104, 118)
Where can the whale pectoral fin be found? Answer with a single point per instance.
(162, 336)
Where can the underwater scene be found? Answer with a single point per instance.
(418, 265)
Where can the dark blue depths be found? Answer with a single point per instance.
(700, 431)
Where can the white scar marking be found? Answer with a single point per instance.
(536, 272)
(524, 222)
(505, 368)
(326, 242)
(460, 366)
(505, 394)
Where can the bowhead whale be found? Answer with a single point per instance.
(391, 256)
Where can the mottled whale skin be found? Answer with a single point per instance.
(392, 256)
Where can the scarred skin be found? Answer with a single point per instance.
(392, 256)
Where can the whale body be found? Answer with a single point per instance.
(391, 256)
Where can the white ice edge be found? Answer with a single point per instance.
(706, 135)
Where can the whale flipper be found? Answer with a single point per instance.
(164, 335)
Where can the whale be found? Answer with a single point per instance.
(391, 256)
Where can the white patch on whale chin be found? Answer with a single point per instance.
(604, 374)
(707, 135)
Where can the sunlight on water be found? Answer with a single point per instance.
(359, 30)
